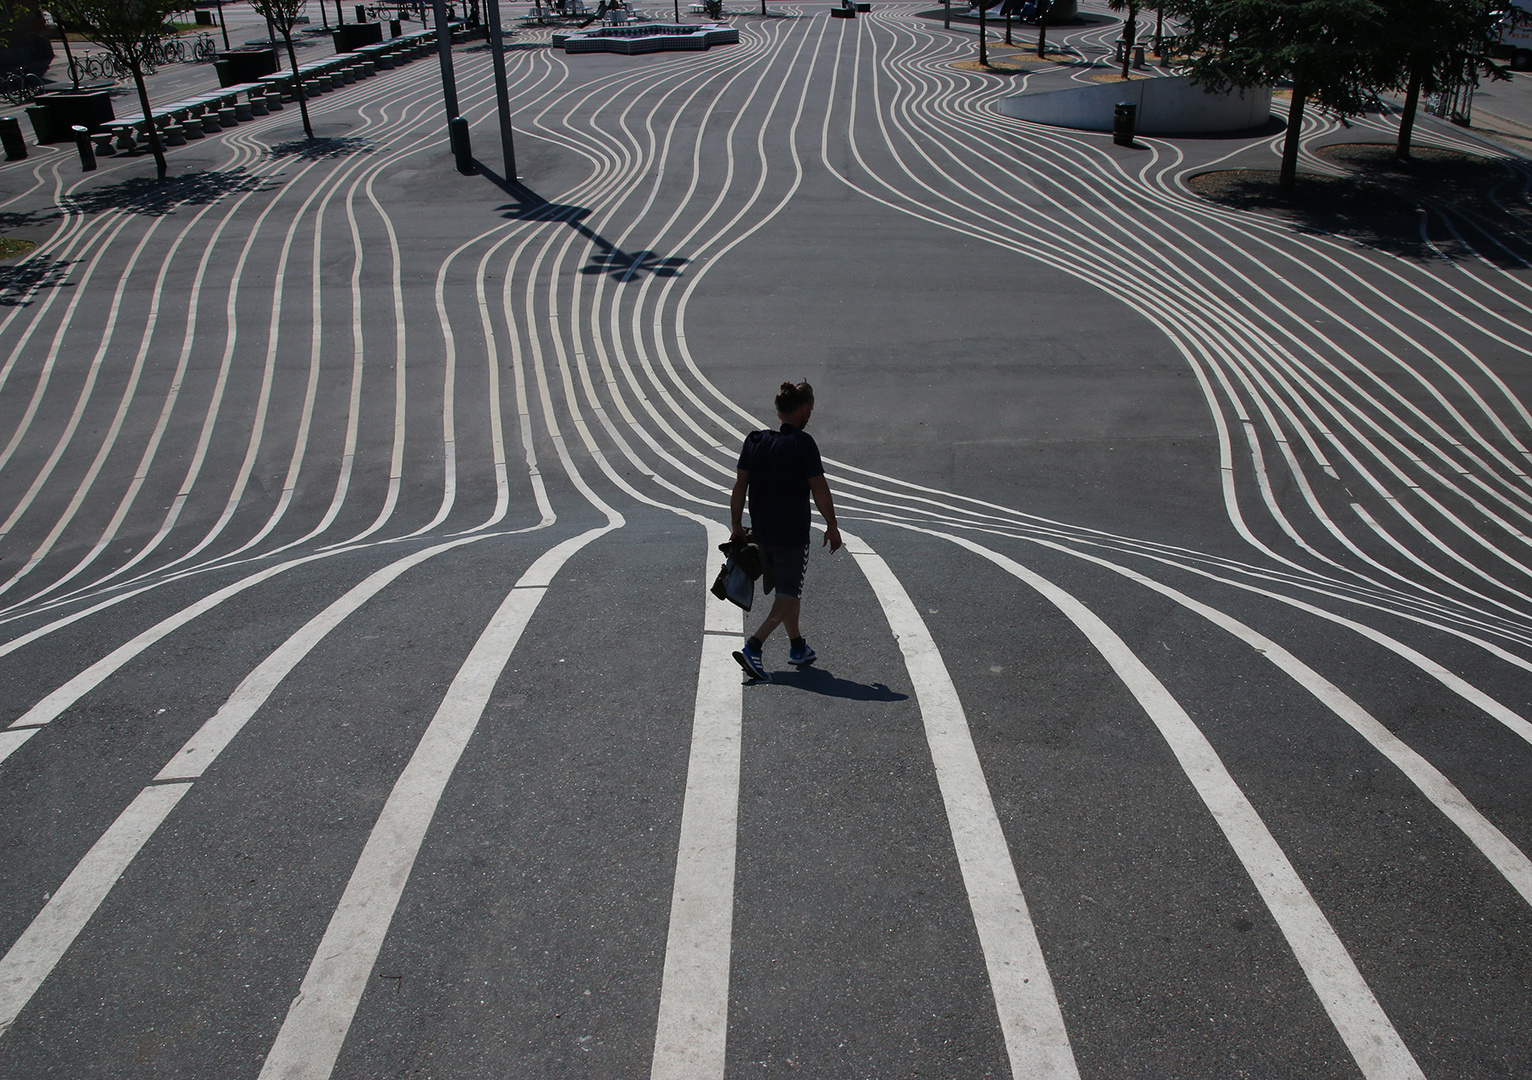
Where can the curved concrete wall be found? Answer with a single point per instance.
(1168, 106)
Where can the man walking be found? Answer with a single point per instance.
(780, 470)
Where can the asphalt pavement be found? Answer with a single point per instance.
(366, 713)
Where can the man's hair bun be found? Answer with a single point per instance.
(792, 395)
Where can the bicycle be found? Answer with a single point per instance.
(204, 50)
(18, 88)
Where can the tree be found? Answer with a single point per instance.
(1436, 44)
(983, 34)
(1044, 7)
(1329, 49)
(1129, 29)
(283, 14)
(131, 30)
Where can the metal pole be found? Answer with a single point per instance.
(502, 91)
(224, 26)
(457, 127)
(947, 16)
(444, 48)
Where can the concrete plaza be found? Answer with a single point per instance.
(365, 713)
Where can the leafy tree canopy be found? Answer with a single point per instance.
(1331, 46)
(129, 29)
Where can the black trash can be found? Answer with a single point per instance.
(1124, 123)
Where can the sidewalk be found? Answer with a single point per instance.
(184, 79)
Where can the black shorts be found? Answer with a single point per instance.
(786, 565)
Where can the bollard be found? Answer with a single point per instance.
(10, 135)
(457, 129)
(82, 144)
(1124, 121)
(394, 29)
(361, 13)
(1138, 56)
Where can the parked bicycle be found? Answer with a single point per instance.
(18, 87)
(103, 65)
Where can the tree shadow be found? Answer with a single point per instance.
(609, 259)
(19, 282)
(510, 46)
(145, 195)
(818, 680)
(1441, 204)
(10, 220)
(318, 149)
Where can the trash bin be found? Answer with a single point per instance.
(1124, 123)
(42, 124)
(204, 18)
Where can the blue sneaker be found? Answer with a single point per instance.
(801, 655)
(750, 660)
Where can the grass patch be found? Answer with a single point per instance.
(11, 248)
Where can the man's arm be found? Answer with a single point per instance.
(819, 487)
(737, 504)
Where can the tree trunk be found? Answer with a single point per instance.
(1288, 178)
(1042, 27)
(1407, 118)
(1008, 24)
(74, 72)
(983, 38)
(303, 103)
(156, 147)
(1129, 32)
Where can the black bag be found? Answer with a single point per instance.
(736, 578)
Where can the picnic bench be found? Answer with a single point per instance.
(211, 112)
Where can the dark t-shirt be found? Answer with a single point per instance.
(781, 464)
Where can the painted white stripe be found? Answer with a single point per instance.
(1030, 1019)
(39, 948)
(317, 1021)
(1507, 858)
(10, 741)
(690, 1037)
(1345, 995)
(212, 737)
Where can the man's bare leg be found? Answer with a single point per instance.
(784, 612)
